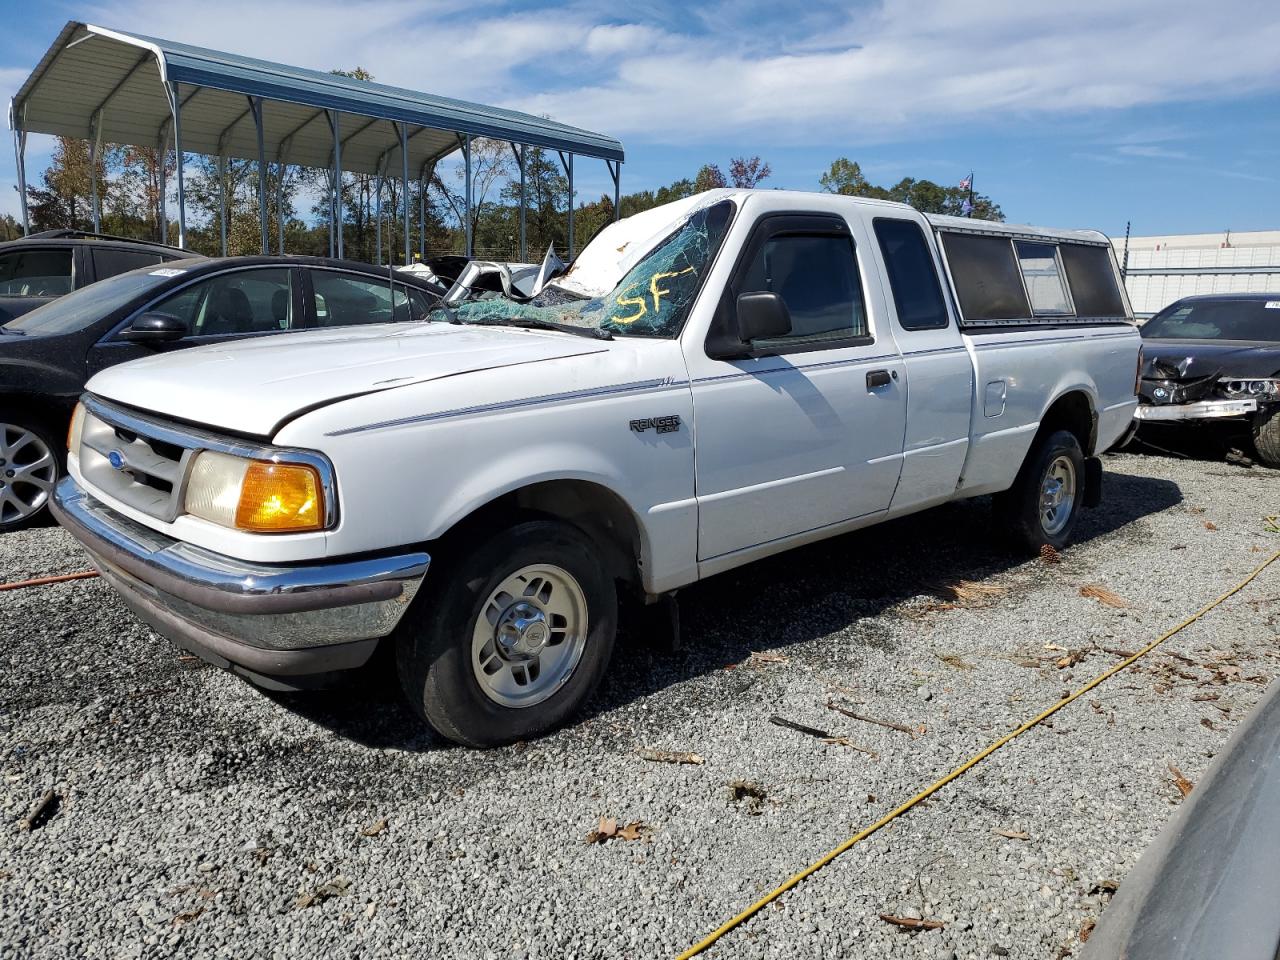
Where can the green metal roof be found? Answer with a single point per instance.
(123, 75)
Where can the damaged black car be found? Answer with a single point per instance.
(1215, 360)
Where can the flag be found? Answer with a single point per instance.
(967, 182)
(966, 207)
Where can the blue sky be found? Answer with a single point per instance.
(1162, 112)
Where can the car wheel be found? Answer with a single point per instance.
(1042, 506)
(1266, 435)
(510, 638)
(30, 465)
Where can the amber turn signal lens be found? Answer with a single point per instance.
(280, 498)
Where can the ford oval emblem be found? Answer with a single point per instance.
(116, 459)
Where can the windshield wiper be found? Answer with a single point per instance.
(530, 323)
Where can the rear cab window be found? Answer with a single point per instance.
(1001, 280)
(913, 277)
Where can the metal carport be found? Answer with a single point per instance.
(103, 85)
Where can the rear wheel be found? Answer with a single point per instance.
(30, 464)
(1042, 506)
(511, 637)
(1266, 435)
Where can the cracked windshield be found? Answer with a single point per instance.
(652, 300)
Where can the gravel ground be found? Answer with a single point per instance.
(200, 817)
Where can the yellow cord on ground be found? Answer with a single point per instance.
(973, 761)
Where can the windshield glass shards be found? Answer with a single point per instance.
(652, 300)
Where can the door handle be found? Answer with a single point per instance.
(877, 378)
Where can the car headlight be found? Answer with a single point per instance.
(74, 431)
(1251, 388)
(261, 496)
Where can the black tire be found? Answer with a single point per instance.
(1266, 434)
(1018, 509)
(434, 655)
(12, 517)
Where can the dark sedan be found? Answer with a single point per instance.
(47, 355)
(1216, 359)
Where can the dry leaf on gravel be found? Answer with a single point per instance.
(1184, 785)
(759, 657)
(970, 592)
(182, 919)
(1086, 929)
(337, 887)
(669, 756)
(1012, 834)
(375, 828)
(951, 660)
(1104, 886)
(1103, 595)
(912, 923)
(607, 829)
(1210, 525)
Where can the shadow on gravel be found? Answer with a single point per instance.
(837, 586)
(1227, 442)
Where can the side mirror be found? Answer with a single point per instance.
(155, 328)
(762, 316)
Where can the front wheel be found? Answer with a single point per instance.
(1042, 506)
(1266, 435)
(30, 464)
(511, 638)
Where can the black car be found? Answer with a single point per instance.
(48, 265)
(1215, 359)
(47, 355)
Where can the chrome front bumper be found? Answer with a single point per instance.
(1202, 410)
(266, 620)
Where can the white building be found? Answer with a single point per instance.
(1161, 270)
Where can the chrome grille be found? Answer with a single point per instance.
(124, 460)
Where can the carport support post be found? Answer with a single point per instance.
(175, 107)
(524, 250)
(20, 154)
(404, 158)
(466, 157)
(222, 202)
(280, 206)
(615, 171)
(422, 218)
(335, 124)
(95, 147)
(255, 104)
(567, 163)
(377, 217)
(162, 149)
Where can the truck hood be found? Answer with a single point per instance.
(255, 386)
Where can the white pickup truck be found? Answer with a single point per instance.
(713, 381)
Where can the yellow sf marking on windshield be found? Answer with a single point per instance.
(624, 301)
(657, 292)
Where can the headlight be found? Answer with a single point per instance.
(1251, 388)
(261, 496)
(73, 431)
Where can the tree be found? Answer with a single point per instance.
(491, 162)
(65, 199)
(845, 177)
(10, 228)
(709, 177)
(746, 174)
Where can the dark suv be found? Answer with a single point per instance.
(48, 265)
